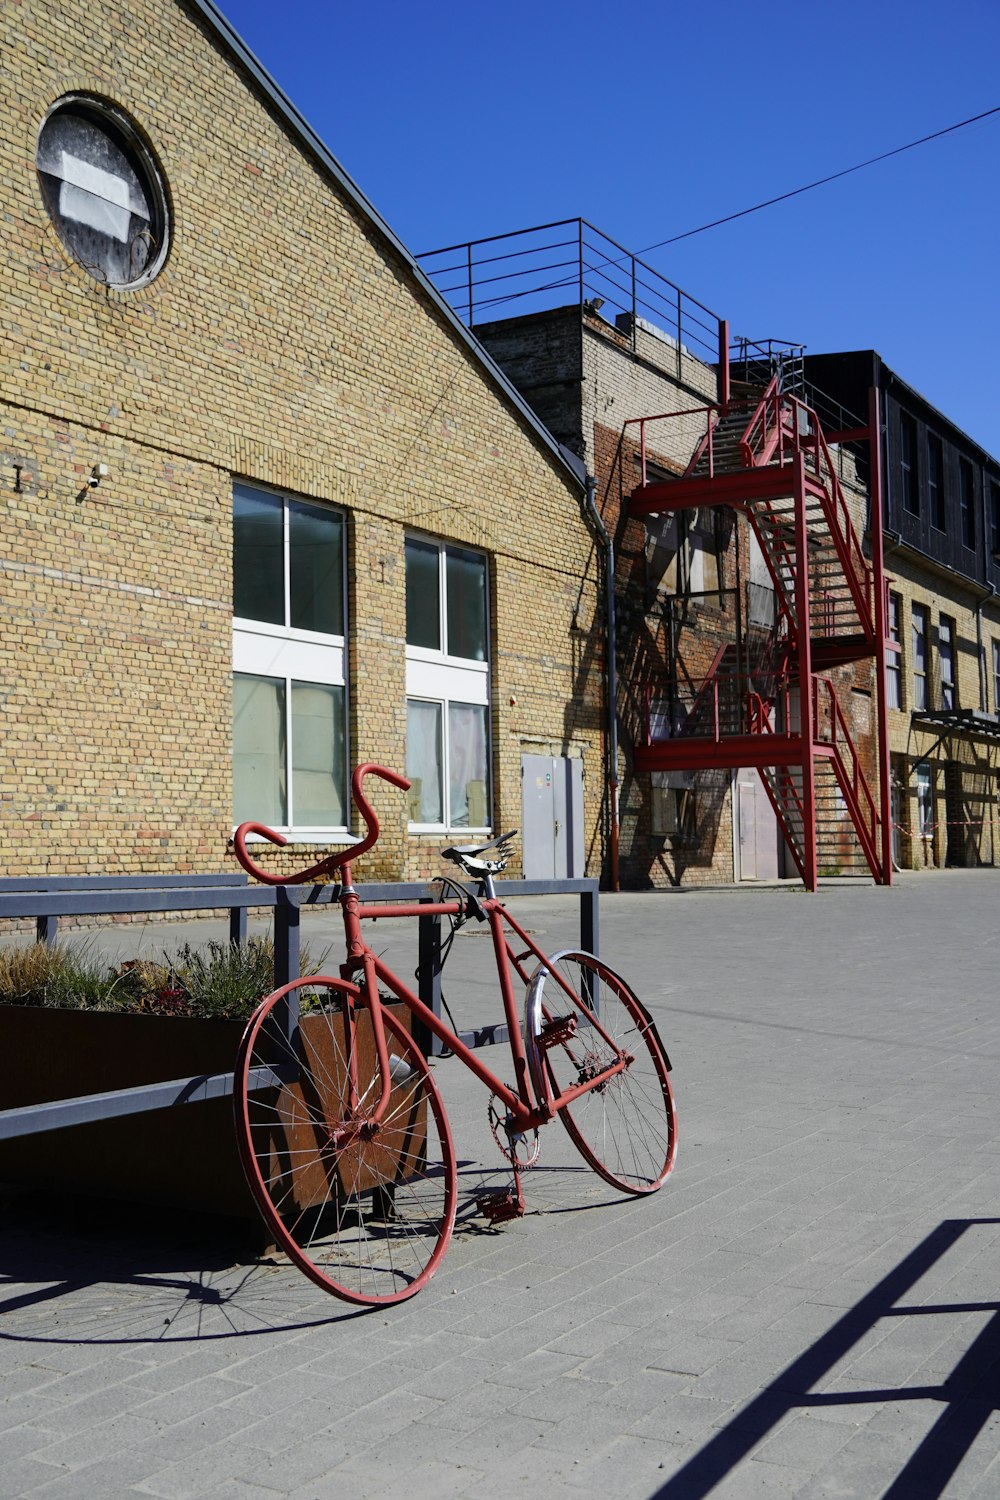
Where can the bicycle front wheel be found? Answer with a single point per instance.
(582, 1018)
(364, 1208)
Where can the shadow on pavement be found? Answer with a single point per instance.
(138, 1274)
(968, 1396)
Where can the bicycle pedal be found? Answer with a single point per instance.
(500, 1206)
(559, 1029)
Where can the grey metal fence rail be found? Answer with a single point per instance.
(76, 896)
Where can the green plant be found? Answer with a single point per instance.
(63, 978)
(225, 979)
(219, 980)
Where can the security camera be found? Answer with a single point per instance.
(97, 473)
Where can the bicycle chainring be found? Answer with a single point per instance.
(520, 1148)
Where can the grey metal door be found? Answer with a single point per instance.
(760, 838)
(552, 817)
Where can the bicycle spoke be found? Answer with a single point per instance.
(624, 1125)
(365, 1207)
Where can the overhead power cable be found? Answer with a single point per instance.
(821, 181)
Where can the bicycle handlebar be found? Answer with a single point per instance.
(332, 862)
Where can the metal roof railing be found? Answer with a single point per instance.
(569, 263)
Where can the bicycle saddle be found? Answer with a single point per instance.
(467, 855)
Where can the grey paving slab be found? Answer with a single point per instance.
(808, 1308)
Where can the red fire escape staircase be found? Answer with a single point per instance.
(768, 458)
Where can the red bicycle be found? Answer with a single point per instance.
(341, 1128)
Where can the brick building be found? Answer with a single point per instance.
(726, 768)
(256, 473)
(941, 505)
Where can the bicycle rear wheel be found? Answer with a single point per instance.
(581, 1018)
(366, 1212)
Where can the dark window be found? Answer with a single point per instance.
(920, 633)
(935, 481)
(465, 587)
(946, 657)
(894, 656)
(967, 499)
(908, 464)
(315, 569)
(258, 557)
(309, 594)
(459, 629)
(423, 590)
(995, 521)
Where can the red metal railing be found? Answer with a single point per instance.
(727, 701)
(775, 430)
(830, 728)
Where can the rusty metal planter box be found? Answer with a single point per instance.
(184, 1157)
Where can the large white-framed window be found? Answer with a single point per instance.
(447, 686)
(289, 664)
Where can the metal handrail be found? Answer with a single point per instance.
(596, 266)
(52, 899)
(755, 708)
(840, 735)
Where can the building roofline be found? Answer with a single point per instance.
(303, 132)
(882, 370)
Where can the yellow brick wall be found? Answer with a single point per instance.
(283, 342)
(965, 828)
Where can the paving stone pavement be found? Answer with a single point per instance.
(808, 1308)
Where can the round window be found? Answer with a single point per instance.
(104, 191)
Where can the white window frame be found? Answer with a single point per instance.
(436, 676)
(287, 654)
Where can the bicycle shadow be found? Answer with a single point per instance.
(968, 1396)
(141, 1275)
(91, 1271)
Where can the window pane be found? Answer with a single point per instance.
(258, 557)
(935, 481)
(892, 683)
(919, 657)
(465, 575)
(468, 775)
(946, 651)
(908, 464)
(318, 756)
(424, 761)
(259, 789)
(316, 568)
(423, 612)
(925, 803)
(967, 496)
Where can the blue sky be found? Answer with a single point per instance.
(460, 120)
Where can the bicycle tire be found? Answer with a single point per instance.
(626, 1128)
(365, 1217)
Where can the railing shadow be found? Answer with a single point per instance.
(968, 1396)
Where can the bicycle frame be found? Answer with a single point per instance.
(526, 1113)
